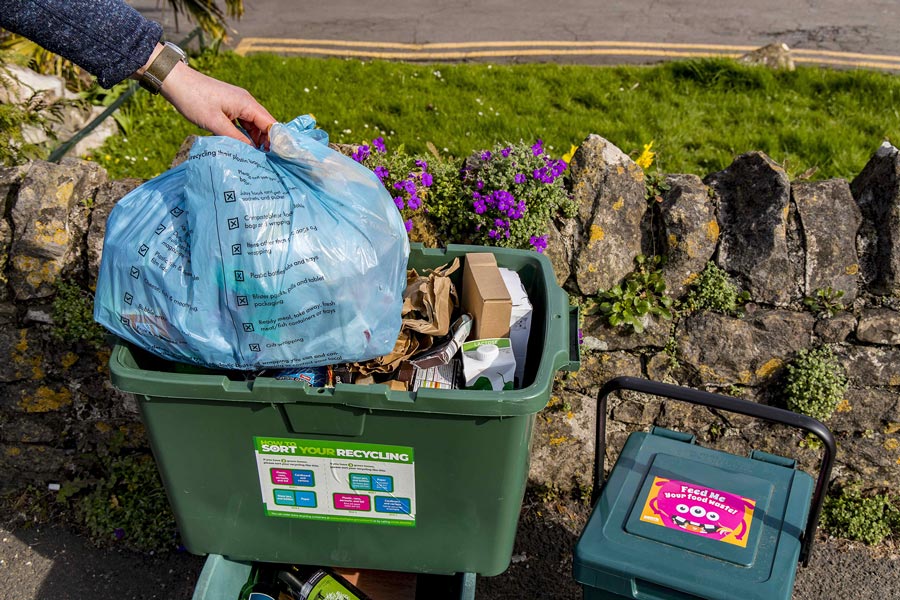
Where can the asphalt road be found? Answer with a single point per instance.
(835, 32)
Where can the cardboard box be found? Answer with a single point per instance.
(485, 297)
(519, 321)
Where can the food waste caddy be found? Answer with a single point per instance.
(676, 521)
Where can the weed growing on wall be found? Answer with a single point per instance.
(128, 505)
(713, 290)
(639, 297)
(825, 301)
(869, 519)
(73, 317)
(816, 383)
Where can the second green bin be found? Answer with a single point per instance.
(356, 476)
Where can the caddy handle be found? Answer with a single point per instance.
(728, 404)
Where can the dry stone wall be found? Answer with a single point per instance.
(780, 240)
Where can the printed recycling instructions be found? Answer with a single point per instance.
(244, 259)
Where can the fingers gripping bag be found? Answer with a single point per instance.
(244, 259)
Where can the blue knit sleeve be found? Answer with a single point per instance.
(107, 38)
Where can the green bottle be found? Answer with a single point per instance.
(314, 583)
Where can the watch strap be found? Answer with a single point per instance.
(153, 77)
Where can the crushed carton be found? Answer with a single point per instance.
(441, 353)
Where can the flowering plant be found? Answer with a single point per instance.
(513, 190)
(405, 177)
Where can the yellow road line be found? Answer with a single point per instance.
(480, 54)
(252, 41)
(513, 49)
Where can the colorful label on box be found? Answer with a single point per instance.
(700, 510)
(337, 481)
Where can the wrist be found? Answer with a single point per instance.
(140, 72)
(163, 60)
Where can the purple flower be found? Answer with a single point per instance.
(427, 179)
(414, 202)
(503, 200)
(382, 173)
(379, 144)
(119, 533)
(557, 167)
(361, 154)
(421, 164)
(538, 148)
(486, 155)
(409, 185)
(543, 175)
(519, 178)
(538, 242)
(399, 202)
(408, 224)
(517, 211)
(479, 184)
(505, 152)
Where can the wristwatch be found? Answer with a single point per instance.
(153, 77)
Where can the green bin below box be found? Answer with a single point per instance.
(221, 579)
(353, 476)
(676, 521)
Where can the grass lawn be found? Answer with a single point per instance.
(699, 114)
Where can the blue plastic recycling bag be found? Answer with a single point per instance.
(244, 259)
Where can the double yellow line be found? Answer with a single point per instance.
(452, 51)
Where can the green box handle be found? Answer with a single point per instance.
(728, 404)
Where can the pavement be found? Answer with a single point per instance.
(53, 562)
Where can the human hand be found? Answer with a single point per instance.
(214, 105)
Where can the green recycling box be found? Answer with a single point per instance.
(222, 579)
(358, 476)
(677, 521)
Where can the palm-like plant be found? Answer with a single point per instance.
(208, 14)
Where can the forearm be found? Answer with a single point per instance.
(107, 38)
